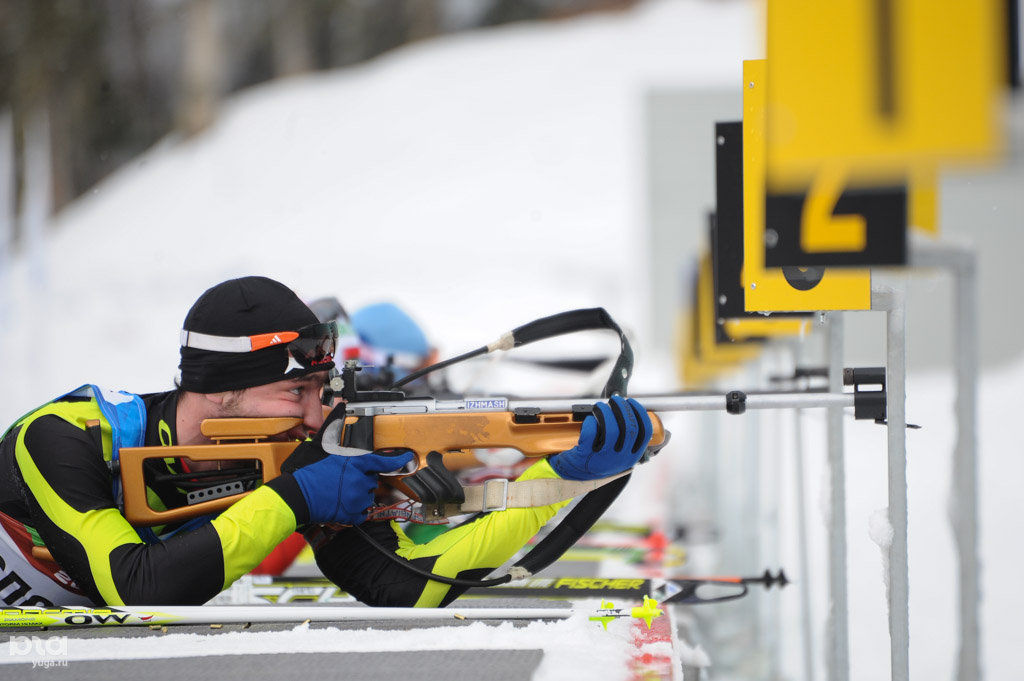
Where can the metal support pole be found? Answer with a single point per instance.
(711, 442)
(893, 302)
(837, 643)
(803, 546)
(963, 503)
(775, 359)
(964, 485)
(807, 637)
(750, 519)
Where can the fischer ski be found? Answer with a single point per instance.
(668, 591)
(671, 591)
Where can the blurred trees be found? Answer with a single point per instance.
(92, 83)
(93, 71)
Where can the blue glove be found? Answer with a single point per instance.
(612, 440)
(335, 488)
(339, 489)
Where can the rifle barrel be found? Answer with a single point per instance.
(660, 403)
(655, 403)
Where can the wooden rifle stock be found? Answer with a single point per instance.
(250, 439)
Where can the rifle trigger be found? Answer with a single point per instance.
(435, 484)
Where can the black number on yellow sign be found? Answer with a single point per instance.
(836, 226)
(885, 54)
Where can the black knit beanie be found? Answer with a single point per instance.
(242, 307)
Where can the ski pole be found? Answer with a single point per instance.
(198, 614)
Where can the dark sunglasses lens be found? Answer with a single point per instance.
(313, 352)
(318, 331)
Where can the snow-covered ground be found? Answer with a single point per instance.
(573, 644)
(481, 181)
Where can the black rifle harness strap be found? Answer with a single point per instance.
(592, 506)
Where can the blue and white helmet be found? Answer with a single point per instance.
(392, 344)
(382, 336)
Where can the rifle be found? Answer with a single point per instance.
(451, 427)
(442, 433)
(381, 420)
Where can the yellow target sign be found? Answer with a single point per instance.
(881, 85)
(787, 289)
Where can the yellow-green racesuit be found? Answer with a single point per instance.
(56, 483)
(469, 551)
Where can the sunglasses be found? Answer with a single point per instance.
(311, 347)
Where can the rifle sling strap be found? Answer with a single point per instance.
(499, 494)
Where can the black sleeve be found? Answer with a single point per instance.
(350, 561)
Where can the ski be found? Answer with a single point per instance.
(653, 548)
(672, 591)
(161, 616)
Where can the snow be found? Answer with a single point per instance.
(573, 649)
(880, 530)
(881, 533)
(692, 656)
(482, 181)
